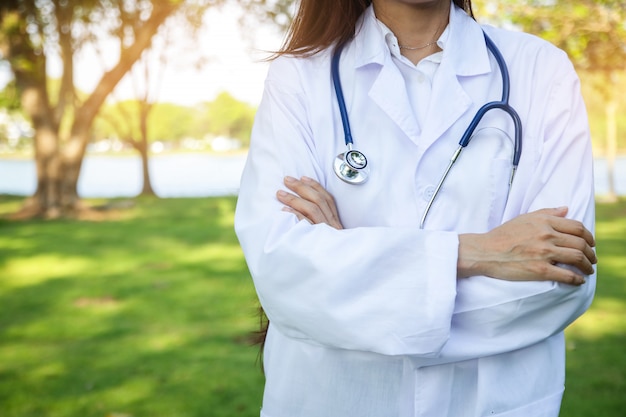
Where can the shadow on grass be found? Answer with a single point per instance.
(147, 315)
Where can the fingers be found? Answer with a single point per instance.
(572, 257)
(569, 234)
(311, 202)
(330, 201)
(578, 252)
(564, 275)
(574, 242)
(542, 245)
(571, 227)
(299, 215)
(574, 228)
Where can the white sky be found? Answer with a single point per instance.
(234, 63)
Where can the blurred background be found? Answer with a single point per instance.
(124, 126)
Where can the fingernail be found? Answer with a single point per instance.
(289, 179)
(282, 193)
(307, 180)
(288, 209)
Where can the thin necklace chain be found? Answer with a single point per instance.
(416, 48)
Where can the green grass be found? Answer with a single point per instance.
(147, 313)
(596, 354)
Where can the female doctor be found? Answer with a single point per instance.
(378, 305)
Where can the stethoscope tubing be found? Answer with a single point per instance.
(503, 105)
(343, 110)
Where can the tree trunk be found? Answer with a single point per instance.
(57, 179)
(48, 166)
(147, 183)
(143, 148)
(58, 167)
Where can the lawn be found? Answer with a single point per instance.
(596, 343)
(148, 314)
(146, 311)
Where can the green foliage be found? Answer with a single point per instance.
(593, 86)
(592, 32)
(225, 116)
(147, 312)
(166, 122)
(9, 97)
(118, 120)
(229, 117)
(169, 121)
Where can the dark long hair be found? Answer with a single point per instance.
(319, 24)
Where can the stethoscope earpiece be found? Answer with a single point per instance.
(351, 167)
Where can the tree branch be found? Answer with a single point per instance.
(64, 29)
(128, 56)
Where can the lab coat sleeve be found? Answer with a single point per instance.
(384, 290)
(493, 316)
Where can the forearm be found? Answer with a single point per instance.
(528, 248)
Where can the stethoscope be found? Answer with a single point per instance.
(352, 167)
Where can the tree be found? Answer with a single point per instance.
(230, 117)
(592, 32)
(147, 77)
(30, 30)
(278, 12)
(167, 121)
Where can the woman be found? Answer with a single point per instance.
(371, 315)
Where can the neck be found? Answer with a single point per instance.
(415, 24)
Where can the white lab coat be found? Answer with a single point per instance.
(371, 320)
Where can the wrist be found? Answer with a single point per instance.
(470, 256)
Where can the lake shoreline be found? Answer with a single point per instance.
(186, 174)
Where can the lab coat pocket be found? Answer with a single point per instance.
(499, 190)
(493, 147)
(474, 196)
(545, 407)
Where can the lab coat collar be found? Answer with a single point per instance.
(464, 54)
(464, 47)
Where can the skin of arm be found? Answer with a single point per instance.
(526, 248)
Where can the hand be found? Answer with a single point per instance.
(528, 248)
(311, 202)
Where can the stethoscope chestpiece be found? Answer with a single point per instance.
(351, 167)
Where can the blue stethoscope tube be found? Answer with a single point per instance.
(357, 173)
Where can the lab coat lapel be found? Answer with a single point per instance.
(389, 93)
(465, 55)
(388, 90)
(449, 102)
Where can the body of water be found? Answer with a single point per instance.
(178, 175)
(184, 175)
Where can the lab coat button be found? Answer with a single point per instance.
(428, 192)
